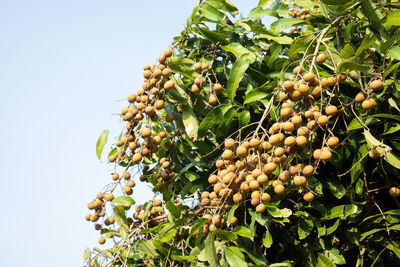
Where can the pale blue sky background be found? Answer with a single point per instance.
(63, 67)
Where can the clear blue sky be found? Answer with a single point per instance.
(63, 67)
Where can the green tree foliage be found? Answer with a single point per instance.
(264, 146)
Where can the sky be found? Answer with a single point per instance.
(66, 68)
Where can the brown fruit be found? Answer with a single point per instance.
(286, 112)
(157, 203)
(394, 191)
(262, 179)
(255, 143)
(102, 240)
(279, 151)
(308, 170)
(233, 221)
(147, 74)
(326, 155)
(360, 97)
(317, 153)
(376, 85)
(279, 189)
(288, 86)
(265, 197)
(204, 66)
(308, 197)
(166, 72)
(333, 141)
(301, 141)
(299, 180)
(316, 92)
(266, 146)
(308, 77)
(255, 201)
(269, 167)
(109, 196)
(288, 126)
(284, 176)
(369, 104)
(169, 117)
(260, 208)
(331, 110)
(137, 157)
(131, 184)
(212, 99)
(131, 98)
(321, 58)
(323, 120)
(254, 185)
(169, 85)
(128, 190)
(290, 141)
(295, 95)
(115, 176)
(330, 81)
(341, 78)
(298, 70)
(296, 120)
(227, 155)
(168, 52)
(374, 154)
(241, 151)
(197, 66)
(145, 132)
(126, 175)
(302, 131)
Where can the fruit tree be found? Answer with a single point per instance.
(264, 145)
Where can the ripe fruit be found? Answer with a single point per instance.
(288, 126)
(394, 191)
(197, 66)
(317, 154)
(262, 179)
(109, 196)
(265, 197)
(145, 132)
(308, 197)
(316, 92)
(321, 58)
(269, 167)
(204, 66)
(308, 170)
(102, 240)
(331, 110)
(360, 97)
(374, 154)
(279, 189)
(254, 185)
(290, 141)
(241, 151)
(128, 190)
(255, 142)
(286, 112)
(369, 104)
(159, 104)
(212, 99)
(301, 141)
(298, 70)
(288, 86)
(326, 155)
(323, 120)
(300, 180)
(284, 176)
(308, 77)
(168, 52)
(169, 85)
(376, 85)
(333, 142)
(227, 155)
(260, 208)
(218, 89)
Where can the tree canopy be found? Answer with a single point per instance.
(264, 145)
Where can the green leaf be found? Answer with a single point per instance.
(183, 66)
(353, 63)
(373, 15)
(299, 44)
(211, 12)
(174, 210)
(267, 241)
(283, 24)
(394, 52)
(356, 125)
(324, 261)
(87, 254)
(358, 164)
(368, 233)
(392, 129)
(237, 73)
(305, 226)
(168, 235)
(393, 18)
(333, 228)
(244, 118)
(210, 250)
(263, 3)
(278, 39)
(196, 226)
(305, 3)
(341, 211)
(148, 248)
(190, 121)
(347, 51)
(243, 231)
(101, 142)
(392, 159)
(236, 48)
(334, 185)
(258, 93)
(211, 36)
(259, 12)
(335, 2)
(119, 214)
(234, 256)
(335, 256)
(231, 214)
(124, 201)
(225, 235)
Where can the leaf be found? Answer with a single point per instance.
(211, 12)
(236, 48)
(341, 211)
(190, 121)
(124, 201)
(394, 52)
(392, 129)
(353, 63)
(237, 73)
(211, 36)
(278, 39)
(392, 159)
(258, 93)
(305, 226)
(174, 210)
(283, 24)
(101, 142)
(324, 261)
(231, 214)
(356, 125)
(168, 235)
(244, 118)
(243, 231)
(212, 118)
(225, 235)
(263, 3)
(393, 18)
(210, 250)
(373, 15)
(347, 51)
(334, 185)
(267, 241)
(358, 164)
(368, 233)
(234, 256)
(299, 44)
(393, 103)
(148, 247)
(259, 12)
(196, 226)
(183, 66)
(335, 2)
(87, 254)
(333, 228)
(335, 256)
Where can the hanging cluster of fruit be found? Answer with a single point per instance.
(140, 140)
(200, 82)
(282, 158)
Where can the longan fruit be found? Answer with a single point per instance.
(288, 86)
(333, 141)
(255, 143)
(279, 189)
(241, 151)
(321, 58)
(290, 141)
(102, 240)
(260, 208)
(302, 131)
(159, 104)
(157, 203)
(374, 154)
(255, 201)
(323, 120)
(169, 117)
(233, 221)
(360, 97)
(317, 153)
(308, 77)
(169, 85)
(237, 197)
(376, 85)
(316, 92)
(230, 143)
(274, 140)
(166, 72)
(147, 74)
(168, 52)
(195, 89)
(265, 197)
(330, 81)
(308, 197)
(269, 167)
(311, 125)
(294, 95)
(131, 183)
(254, 185)
(204, 66)
(109, 196)
(288, 126)
(126, 175)
(298, 70)
(213, 179)
(137, 157)
(128, 190)
(296, 120)
(279, 151)
(205, 202)
(369, 104)
(301, 141)
(212, 99)
(326, 155)
(286, 112)
(331, 110)
(284, 176)
(394, 191)
(94, 218)
(131, 98)
(228, 154)
(262, 179)
(299, 180)
(341, 78)
(145, 132)
(87, 217)
(197, 66)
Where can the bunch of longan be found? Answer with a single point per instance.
(200, 82)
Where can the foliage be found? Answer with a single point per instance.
(229, 82)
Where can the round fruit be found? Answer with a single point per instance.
(255, 143)
(254, 185)
(212, 99)
(168, 52)
(262, 179)
(308, 170)
(360, 97)
(229, 143)
(298, 70)
(169, 117)
(218, 88)
(284, 176)
(227, 155)
(297, 120)
(269, 167)
(316, 92)
(288, 126)
(136, 158)
(255, 201)
(260, 208)
(241, 151)
(326, 155)
(169, 85)
(197, 67)
(279, 189)
(369, 104)
(302, 131)
(290, 141)
(204, 66)
(317, 154)
(109, 196)
(286, 112)
(288, 86)
(279, 151)
(323, 120)
(333, 141)
(265, 197)
(102, 240)
(301, 141)
(308, 77)
(321, 58)
(376, 85)
(300, 180)
(233, 221)
(331, 110)
(159, 104)
(374, 154)
(308, 197)
(394, 191)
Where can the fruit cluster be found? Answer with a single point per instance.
(200, 82)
